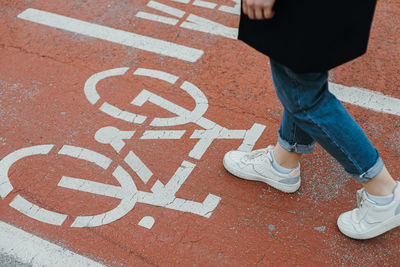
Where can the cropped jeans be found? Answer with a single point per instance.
(313, 114)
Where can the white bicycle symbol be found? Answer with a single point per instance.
(162, 195)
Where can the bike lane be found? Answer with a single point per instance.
(115, 112)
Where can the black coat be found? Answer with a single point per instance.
(311, 35)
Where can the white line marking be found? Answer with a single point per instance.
(113, 136)
(91, 187)
(252, 137)
(366, 98)
(184, 116)
(10, 159)
(166, 9)
(147, 222)
(86, 154)
(205, 4)
(127, 116)
(205, 208)
(36, 212)
(129, 193)
(138, 167)
(232, 134)
(206, 123)
(164, 76)
(90, 85)
(233, 10)
(113, 35)
(34, 251)
(206, 137)
(208, 26)
(161, 196)
(179, 178)
(182, 1)
(157, 18)
(164, 195)
(163, 134)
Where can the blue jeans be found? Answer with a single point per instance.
(312, 114)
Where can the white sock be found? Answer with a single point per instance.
(380, 200)
(278, 167)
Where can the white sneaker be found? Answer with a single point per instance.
(257, 166)
(369, 220)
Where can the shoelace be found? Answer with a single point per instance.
(255, 154)
(361, 197)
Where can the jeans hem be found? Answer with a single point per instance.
(297, 148)
(371, 172)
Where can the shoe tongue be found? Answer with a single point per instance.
(258, 153)
(362, 196)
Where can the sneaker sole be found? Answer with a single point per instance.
(375, 231)
(275, 184)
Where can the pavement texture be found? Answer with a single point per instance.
(188, 210)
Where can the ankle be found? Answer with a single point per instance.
(286, 159)
(381, 185)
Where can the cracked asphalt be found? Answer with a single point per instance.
(43, 100)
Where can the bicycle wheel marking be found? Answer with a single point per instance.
(10, 159)
(86, 154)
(161, 195)
(90, 85)
(35, 212)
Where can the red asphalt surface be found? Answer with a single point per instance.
(43, 71)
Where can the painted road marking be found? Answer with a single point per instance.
(35, 212)
(211, 5)
(193, 22)
(366, 98)
(163, 134)
(197, 23)
(86, 154)
(161, 75)
(128, 201)
(205, 4)
(161, 195)
(10, 159)
(90, 85)
(137, 165)
(233, 10)
(358, 96)
(112, 136)
(134, 40)
(91, 187)
(182, 1)
(166, 9)
(32, 250)
(147, 222)
(206, 137)
(117, 113)
(184, 116)
(157, 18)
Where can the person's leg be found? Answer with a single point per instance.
(292, 143)
(285, 158)
(277, 166)
(380, 185)
(319, 114)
